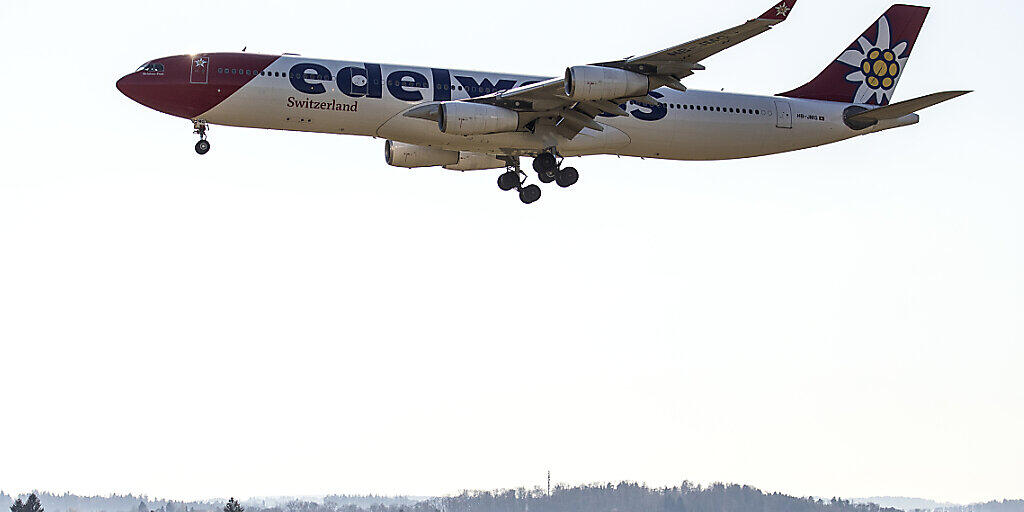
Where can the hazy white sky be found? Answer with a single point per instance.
(289, 315)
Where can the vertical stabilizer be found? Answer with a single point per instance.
(869, 70)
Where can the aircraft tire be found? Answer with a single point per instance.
(202, 147)
(545, 162)
(529, 194)
(567, 177)
(508, 181)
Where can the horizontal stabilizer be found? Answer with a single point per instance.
(898, 110)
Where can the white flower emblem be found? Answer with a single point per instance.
(782, 10)
(200, 62)
(878, 65)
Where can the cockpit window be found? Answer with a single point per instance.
(151, 67)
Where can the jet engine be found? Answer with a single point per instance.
(594, 83)
(464, 118)
(400, 154)
(476, 162)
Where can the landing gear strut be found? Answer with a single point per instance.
(203, 146)
(514, 177)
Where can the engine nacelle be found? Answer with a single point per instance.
(400, 154)
(593, 83)
(463, 118)
(476, 162)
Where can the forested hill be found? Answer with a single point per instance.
(630, 497)
(622, 497)
(918, 504)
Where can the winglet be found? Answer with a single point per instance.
(779, 12)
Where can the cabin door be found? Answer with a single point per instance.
(785, 114)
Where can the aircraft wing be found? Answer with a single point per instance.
(547, 101)
(678, 60)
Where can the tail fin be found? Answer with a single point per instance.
(869, 70)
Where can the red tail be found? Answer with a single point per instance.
(869, 70)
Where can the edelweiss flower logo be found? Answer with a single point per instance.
(878, 65)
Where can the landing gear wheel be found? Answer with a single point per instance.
(546, 177)
(508, 180)
(202, 147)
(529, 194)
(567, 177)
(545, 162)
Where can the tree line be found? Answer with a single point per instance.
(620, 497)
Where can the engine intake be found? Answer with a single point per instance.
(595, 83)
(463, 118)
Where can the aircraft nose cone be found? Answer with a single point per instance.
(128, 85)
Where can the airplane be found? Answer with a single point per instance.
(467, 120)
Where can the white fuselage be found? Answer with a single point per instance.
(691, 125)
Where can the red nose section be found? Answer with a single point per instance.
(190, 85)
(129, 86)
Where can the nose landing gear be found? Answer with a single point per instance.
(203, 146)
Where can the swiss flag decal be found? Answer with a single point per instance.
(200, 70)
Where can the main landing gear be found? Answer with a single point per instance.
(203, 146)
(513, 178)
(549, 168)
